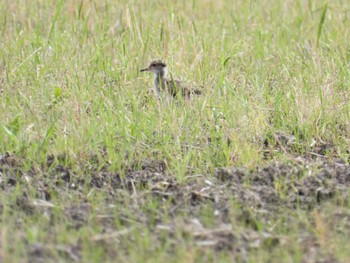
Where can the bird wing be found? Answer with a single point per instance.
(174, 87)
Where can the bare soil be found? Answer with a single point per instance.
(251, 198)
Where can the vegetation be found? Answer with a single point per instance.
(88, 155)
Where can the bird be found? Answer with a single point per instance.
(170, 86)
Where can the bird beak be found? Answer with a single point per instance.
(145, 69)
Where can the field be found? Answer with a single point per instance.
(94, 168)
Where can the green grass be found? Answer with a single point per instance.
(70, 86)
(263, 69)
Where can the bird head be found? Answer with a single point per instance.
(156, 66)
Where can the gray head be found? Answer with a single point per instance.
(157, 67)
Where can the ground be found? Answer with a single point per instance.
(95, 168)
(260, 215)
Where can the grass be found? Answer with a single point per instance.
(71, 87)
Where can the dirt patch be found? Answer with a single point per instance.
(291, 185)
(42, 252)
(296, 146)
(201, 207)
(278, 184)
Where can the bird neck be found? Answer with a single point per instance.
(158, 80)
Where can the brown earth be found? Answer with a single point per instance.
(252, 198)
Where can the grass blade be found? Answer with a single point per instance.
(9, 133)
(320, 26)
(58, 10)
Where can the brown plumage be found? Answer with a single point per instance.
(171, 86)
